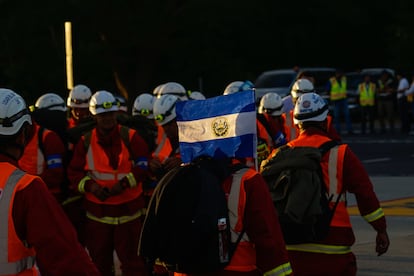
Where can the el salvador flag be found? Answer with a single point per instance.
(222, 126)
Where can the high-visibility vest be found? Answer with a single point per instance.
(338, 89)
(291, 129)
(33, 160)
(333, 175)
(244, 258)
(15, 257)
(164, 148)
(366, 96)
(99, 169)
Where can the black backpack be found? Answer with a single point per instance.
(294, 177)
(187, 224)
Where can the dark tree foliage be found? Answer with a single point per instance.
(129, 47)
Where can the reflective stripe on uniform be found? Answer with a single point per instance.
(319, 248)
(6, 267)
(106, 176)
(117, 220)
(377, 214)
(281, 270)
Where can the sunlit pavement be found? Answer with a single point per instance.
(397, 200)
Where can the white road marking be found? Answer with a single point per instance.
(375, 160)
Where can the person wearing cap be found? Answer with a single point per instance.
(46, 151)
(108, 166)
(37, 238)
(300, 87)
(333, 255)
(271, 129)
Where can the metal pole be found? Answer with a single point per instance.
(68, 47)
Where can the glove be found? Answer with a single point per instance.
(262, 152)
(102, 193)
(120, 186)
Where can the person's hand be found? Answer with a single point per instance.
(171, 163)
(117, 188)
(102, 193)
(382, 243)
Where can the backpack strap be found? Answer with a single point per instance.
(324, 148)
(40, 140)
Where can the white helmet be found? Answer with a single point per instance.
(143, 106)
(301, 86)
(237, 86)
(156, 91)
(51, 101)
(173, 88)
(79, 96)
(196, 95)
(122, 103)
(271, 103)
(13, 112)
(310, 107)
(103, 101)
(164, 109)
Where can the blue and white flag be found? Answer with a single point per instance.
(223, 126)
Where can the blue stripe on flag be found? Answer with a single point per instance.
(217, 106)
(223, 126)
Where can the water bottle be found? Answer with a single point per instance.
(223, 240)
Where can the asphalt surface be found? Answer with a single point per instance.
(389, 161)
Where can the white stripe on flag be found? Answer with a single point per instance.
(227, 126)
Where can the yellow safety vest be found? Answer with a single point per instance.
(366, 96)
(338, 89)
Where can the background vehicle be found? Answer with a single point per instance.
(275, 81)
(280, 81)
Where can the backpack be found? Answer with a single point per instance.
(294, 177)
(187, 225)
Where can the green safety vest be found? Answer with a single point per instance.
(338, 89)
(366, 96)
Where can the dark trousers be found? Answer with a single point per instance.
(367, 115)
(386, 114)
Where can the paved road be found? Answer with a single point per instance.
(389, 161)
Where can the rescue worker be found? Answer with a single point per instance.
(78, 102)
(237, 86)
(302, 86)
(333, 255)
(270, 123)
(261, 250)
(367, 94)
(35, 229)
(336, 88)
(173, 88)
(45, 152)
(167, 153)
(109, 169)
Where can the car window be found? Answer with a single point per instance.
(275, 80)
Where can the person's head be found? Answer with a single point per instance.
(104, 107)
(272, 104)
(50, 112)
(144, 105)
(173, 88)
(14, 122)
(238, 86)
(196, 95)
(306, 75)
(367, 78)
(310, 111)
(78, 102)
(339, 73)
(300, 87)
(164, 114)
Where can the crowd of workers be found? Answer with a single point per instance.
(102, 163)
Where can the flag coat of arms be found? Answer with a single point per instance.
(222, 126)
